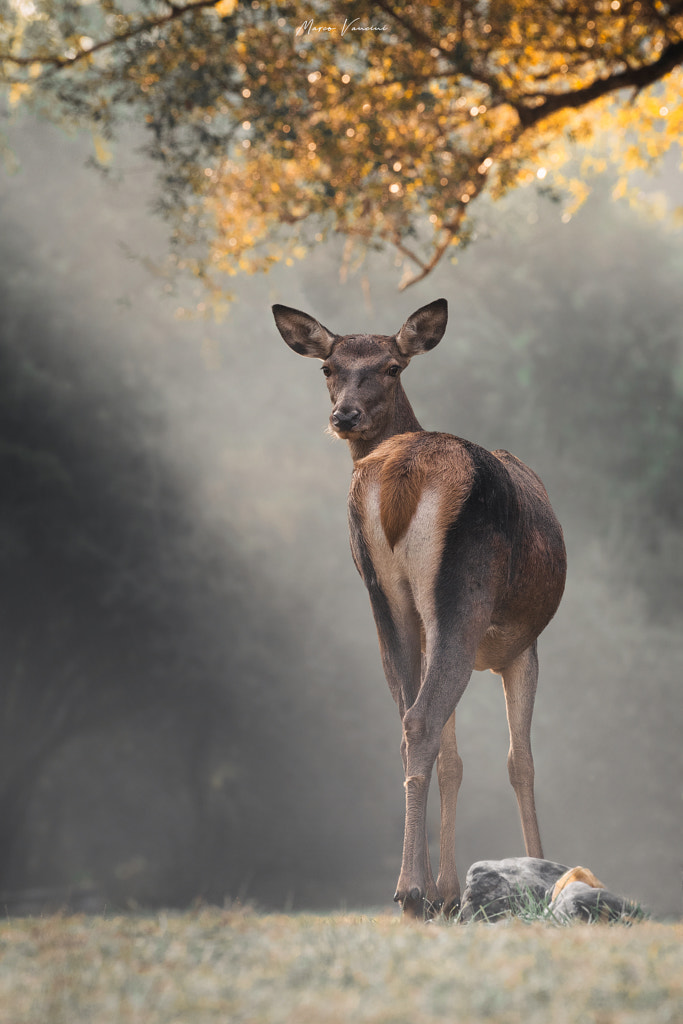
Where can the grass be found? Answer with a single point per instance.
(241, 967)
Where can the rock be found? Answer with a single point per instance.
(529, 887)
(579, 901)
(494, 888)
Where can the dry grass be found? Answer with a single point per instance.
(240, 967)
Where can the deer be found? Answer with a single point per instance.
(464, 562)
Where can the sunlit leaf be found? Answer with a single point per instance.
(273, 125)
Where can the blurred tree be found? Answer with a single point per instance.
(74, 562)
(384, 126)
(148, 674)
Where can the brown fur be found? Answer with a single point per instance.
(407, 464)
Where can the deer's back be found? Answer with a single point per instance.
(450, 522)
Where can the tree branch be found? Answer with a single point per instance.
(426, 268)
(416, 32)
(451, 229)
(57, 63)
(638, 78)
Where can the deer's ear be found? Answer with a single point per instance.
(423, 329)
(303, 333)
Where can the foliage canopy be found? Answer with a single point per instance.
(383, 123)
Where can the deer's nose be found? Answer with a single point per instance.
(345, 419)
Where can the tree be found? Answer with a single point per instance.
(274, 124)
(125, 621)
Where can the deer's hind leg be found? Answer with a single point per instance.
(433, 900)
(401, 640)
(449, 774)
(519, 684)
(450, 664)
(399, 630)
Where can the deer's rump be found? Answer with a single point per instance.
(453, 529)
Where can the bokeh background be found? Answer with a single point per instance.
(193, 705)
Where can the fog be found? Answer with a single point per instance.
(193, 701)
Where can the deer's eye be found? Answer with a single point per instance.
(393, 371)
(327, 371)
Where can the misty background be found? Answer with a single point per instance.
(192, 704)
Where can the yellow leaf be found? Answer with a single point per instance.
(225, 7)
(16, 92)
(103, 153)
(620, 189)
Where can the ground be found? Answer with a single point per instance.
(243, 967)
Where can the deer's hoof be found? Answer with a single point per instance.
(413, 903)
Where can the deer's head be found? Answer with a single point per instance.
(363, 370)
